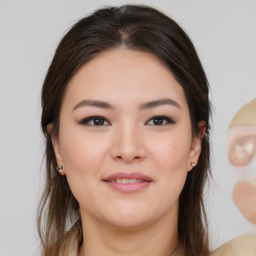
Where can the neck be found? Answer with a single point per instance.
(156, 239)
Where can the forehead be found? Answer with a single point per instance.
(123, 74)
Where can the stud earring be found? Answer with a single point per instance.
(59, 168)
(193, 164)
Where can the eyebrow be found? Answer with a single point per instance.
(93, 103)
(156, 103)
(147, 105)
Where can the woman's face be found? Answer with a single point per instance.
(125, 139)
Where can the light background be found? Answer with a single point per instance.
(224, 33)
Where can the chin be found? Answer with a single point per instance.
(129, 218)
(129, 224)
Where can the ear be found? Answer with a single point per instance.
(56, 147)
(196, 146)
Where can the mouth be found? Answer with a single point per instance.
(128, 182)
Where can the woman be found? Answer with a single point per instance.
(126, 120)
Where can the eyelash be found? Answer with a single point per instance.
(91, 118)
(168, 120)
(87, 120)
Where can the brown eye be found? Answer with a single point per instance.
(95, 121)
(160, 120)
(98, 121)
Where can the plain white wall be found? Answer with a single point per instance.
(224, 33)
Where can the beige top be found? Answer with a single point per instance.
(240, 246)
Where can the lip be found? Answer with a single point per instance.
(131, 175)
(144, 182)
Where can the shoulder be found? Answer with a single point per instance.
(241, 246)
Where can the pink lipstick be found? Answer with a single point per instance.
(128, 182)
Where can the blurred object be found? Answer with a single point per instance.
(246, 115)
(241, 152)
(242, 144)
(244, 195)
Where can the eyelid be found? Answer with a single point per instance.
(85, 121)
(168, 119)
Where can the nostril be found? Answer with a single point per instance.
(128, 157)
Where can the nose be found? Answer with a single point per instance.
(127, 144)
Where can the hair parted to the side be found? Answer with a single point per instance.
(140, 28)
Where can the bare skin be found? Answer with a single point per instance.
(138, 122)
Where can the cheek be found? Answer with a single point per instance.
(83, 158)
(171, 154)
(80, 151)
(170, 160)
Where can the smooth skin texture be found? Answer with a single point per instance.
(130, 136)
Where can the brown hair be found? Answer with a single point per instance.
(140, 28)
